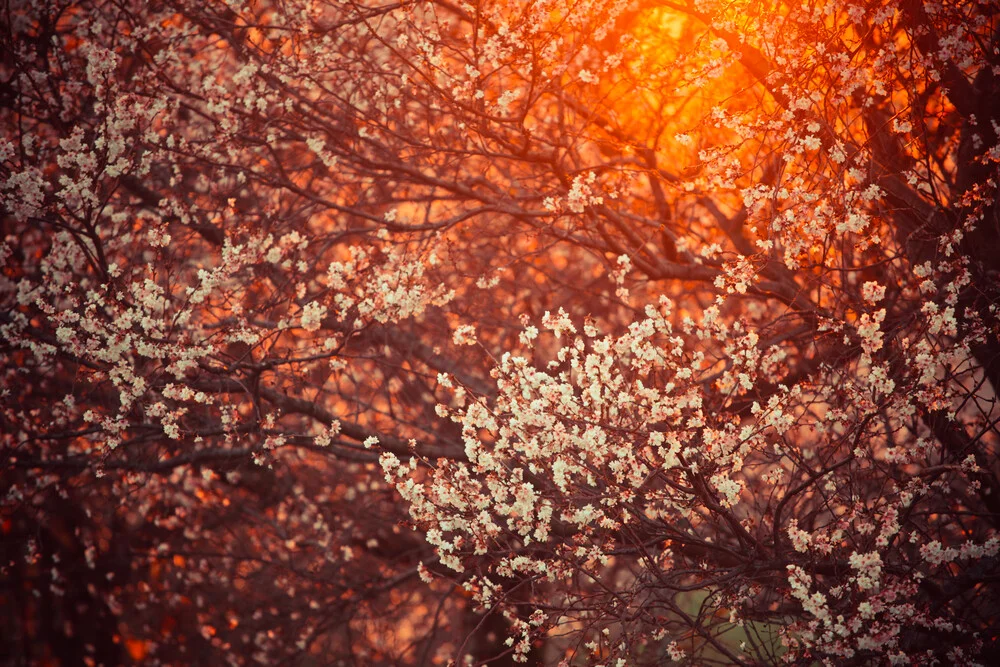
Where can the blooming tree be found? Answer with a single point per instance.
(559, 332)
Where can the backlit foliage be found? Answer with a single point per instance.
(559, 332)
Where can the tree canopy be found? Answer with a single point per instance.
(563, 332)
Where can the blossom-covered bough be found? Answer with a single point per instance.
(551, 332)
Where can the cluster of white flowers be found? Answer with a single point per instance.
(465, 334)
(386, 289)
(312, 316)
